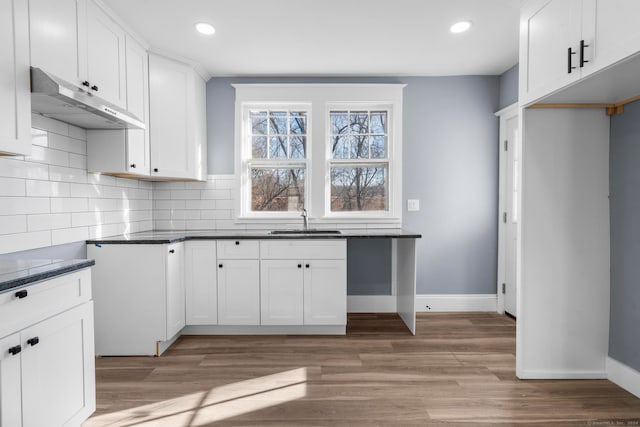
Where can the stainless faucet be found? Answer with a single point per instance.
(305, 219)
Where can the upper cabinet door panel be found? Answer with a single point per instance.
(548, 30)
(610, 28)
(137, 62)
(15, 99)
(58, 38)
(106, 56)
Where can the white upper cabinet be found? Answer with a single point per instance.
(563, 41)
(106, 67)
(15, 100)
(177, 125)
(58, 38)
(611, 28)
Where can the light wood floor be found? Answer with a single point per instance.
(458, 370)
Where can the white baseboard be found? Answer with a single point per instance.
(456, 302)
(624, 376)
(561, 375)
(371, 304)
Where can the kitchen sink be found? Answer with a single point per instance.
(312, 231)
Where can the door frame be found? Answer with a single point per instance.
(504, 115)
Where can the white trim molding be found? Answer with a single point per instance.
(624, 376)
(371, 304)
(561, 375)
(456, 302)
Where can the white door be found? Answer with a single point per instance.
(58, 383)
(201, 286)
(175, 289)
(281, 292)
(106, 69)
(549, 46)
(138, 104)
(10, 397)
(58, 38)
(510, 158)
(15, 101)
(325, 292)
(238, 292)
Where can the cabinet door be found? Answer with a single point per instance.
(171, 152)
(137, 161)
(106, 70)
(198, 127)
(325, 292)
(58, 380)
(201, 286)
(175, 289)
(10, 401)
(610, 28)
(59, 38)
(549, 29)
(239, 292)
(15, 100)
(281, 292)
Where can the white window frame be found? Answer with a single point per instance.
(319, 99)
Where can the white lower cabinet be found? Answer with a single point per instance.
(238, 292)
(47, 369)
(139, 297)
(201, 284)
(281, 292)
(325, 292)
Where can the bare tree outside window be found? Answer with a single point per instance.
(279, 144)
(359, 165)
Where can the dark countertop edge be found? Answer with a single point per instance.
(164, 240)
(36, 277)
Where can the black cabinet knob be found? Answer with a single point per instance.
(15, 350)
(94, 88)
(219, 265)
(306, 266)
(33, 341)
(237, 242)
(155, 169)
(172, 251)
(86, 83)
(132, 165)
(21, 294)
(299, 265)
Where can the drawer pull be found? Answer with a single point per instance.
(33, 341)
(15, 350)
(220, 265)
(21, 294)
(306, 266)
(299, 265)
(172, 251)
(237, 242)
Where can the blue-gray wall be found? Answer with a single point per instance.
(624, 183)
(450, 163)
(508, 87)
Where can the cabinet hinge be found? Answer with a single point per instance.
(504, 288)
(506, 145)
(504, 217)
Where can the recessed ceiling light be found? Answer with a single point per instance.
(460, 27)
(204, 28)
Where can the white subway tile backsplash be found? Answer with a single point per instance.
(48, 156)
(161, 194)
(40, 137)
(15, 168)
(66, 204)
(85, 190)
(77, 133)
(23, 205)
(48, 221)
(50, 125)
(47, 189)
(200, 204)
(186, 194)
(83, 219)
(59, 173)
(12, 187)
(216, 194)
(24, 241)
(77, 161)
(225, 204)
(69, 235)
(13, 224)
(64, 143)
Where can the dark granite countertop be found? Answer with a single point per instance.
(158, 237)
(16, 273)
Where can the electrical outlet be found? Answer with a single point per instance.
(413, 205)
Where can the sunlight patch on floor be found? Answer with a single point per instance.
(219, 403)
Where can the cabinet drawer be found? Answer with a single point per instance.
(238, 249)
(43, 300)
(303, 249)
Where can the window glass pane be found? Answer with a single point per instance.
(340, 147)
(379, 122)
(278, 147)
(259, 147)
(298, 122)
(259, 122)
(339, 122)
(359, 188)
(277, 189)
(378, 147)
(359, 147)
(297, 147)
(359, 121)
(278, 122)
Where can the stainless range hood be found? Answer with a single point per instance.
(60, 100)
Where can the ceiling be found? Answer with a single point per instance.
(331, 37)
